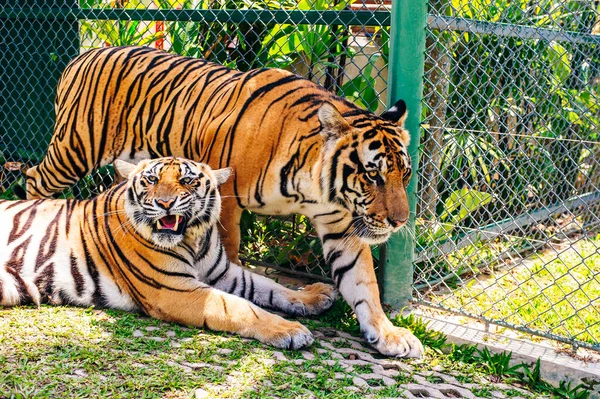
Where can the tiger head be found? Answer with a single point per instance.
(169, 199)
(366, 168)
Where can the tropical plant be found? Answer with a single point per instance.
(419, 327)
(315, 46)
(565, 390)
(499, 364)
(287, 242)
(463, 353)
(513, 117)
(119, 32)
(459, 205)
(229, 43)
(361, 89)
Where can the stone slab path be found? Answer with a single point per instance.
(384, 371)
(369, 371)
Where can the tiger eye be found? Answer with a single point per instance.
(373, 174)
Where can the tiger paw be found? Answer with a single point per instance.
(313, 299)
(394, 341)
(287, 335)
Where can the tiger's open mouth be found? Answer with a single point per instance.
(170, 224)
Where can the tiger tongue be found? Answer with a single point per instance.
(170, 222)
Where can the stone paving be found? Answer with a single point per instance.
(368, 370)
(384, 371)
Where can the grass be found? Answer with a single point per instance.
(73, 352)
(76, 352)
(557, 292)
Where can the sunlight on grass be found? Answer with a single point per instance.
(66, 352)
(54, 325)
(74, 352)
(555, 291)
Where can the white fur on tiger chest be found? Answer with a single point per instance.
(114, 297)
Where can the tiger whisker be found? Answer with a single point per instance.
(221, 224)
(124, 227)
(343, 223)
(349, 241)
(116, 212)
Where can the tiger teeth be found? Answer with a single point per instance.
(178, 220)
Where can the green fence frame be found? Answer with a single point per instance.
(405, 70)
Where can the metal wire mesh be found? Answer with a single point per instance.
(337, 50)
(509, 200)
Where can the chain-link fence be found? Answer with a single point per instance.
(509, 197)
(339, 44)
(509, 208)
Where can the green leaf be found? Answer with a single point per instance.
(465, 201)
(558, 57)
(361, 89)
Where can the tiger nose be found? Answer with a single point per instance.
(165, 204)
(396, 222)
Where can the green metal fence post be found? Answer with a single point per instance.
(405, 81)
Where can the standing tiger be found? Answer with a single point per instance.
(294, 148)
(151, 245)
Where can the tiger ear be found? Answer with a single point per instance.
(123, 169)
(222, 175)
(397, 113)
(333, 124)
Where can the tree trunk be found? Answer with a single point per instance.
(437, 75)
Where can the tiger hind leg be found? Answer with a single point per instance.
(207, 307)
(36, 188)
(229, 225)
(49, 177)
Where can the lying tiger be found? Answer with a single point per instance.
(149, 244)
(295, 148)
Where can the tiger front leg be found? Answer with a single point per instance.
(310, 300)
(214, 269)
(354, 276)
(207, 307)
